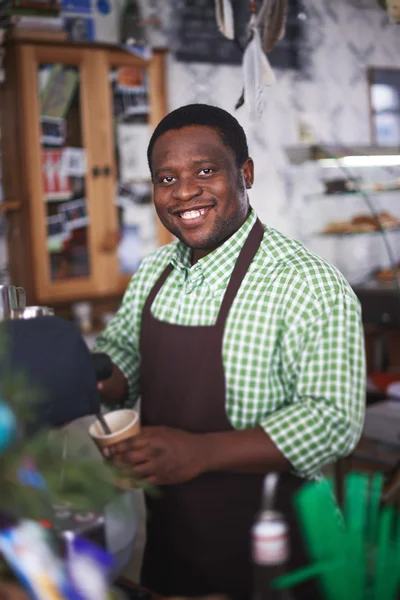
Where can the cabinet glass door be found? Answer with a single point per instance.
(133, 193)
(63, 162)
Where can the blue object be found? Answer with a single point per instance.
(80, 29)
(29, 476)
(103, 6)
(144, 52)
(97, 565)
(8, 425)
(49, 576)
(81, 7)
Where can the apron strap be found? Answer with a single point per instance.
(156, 288)
(246, 255)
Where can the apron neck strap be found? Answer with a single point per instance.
(157, 287)
(243, 262)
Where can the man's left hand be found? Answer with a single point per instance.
(161, 455)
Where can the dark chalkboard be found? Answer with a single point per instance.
(199, 40)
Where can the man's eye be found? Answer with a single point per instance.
(166, 179)
(207, 171)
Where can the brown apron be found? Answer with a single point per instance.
(198, 533)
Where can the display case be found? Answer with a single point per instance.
(345, 203)
(342, 228)
(336, 193)
(75, 121)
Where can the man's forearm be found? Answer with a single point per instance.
(115, 388)
(244, 451)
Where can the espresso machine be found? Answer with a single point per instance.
(54, 358)
(13, 305)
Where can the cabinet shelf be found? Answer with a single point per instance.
(9, 206)
(349, 195)
(348, 234)
(298, 155)
(68, 240)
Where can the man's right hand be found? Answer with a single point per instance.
(115, 388)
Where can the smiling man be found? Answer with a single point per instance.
(199, 209)
(247, 353)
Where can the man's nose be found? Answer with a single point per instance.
(185, 189)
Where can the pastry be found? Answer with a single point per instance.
(337, 227)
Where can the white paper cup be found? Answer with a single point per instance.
(124, 424)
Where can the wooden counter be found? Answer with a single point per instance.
(133, 591)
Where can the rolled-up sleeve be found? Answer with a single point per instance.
(324, 372)
(120, 341)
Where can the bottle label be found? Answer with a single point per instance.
(269, 548)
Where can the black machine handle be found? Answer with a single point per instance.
(102, 365)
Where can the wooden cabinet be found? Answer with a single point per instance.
(74, 119)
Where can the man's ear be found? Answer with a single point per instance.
(248, 172)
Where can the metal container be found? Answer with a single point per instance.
(11, 299)
(31, 312)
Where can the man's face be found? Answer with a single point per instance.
(199, 192)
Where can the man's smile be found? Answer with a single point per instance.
(193, 216)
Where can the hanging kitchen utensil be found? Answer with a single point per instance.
(257, 73)
(224, 17)
(271, 19)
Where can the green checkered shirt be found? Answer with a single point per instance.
(293, 349)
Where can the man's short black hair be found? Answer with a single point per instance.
(228, 128)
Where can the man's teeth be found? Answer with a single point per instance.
(193, 214)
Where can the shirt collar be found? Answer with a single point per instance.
(217, 266)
